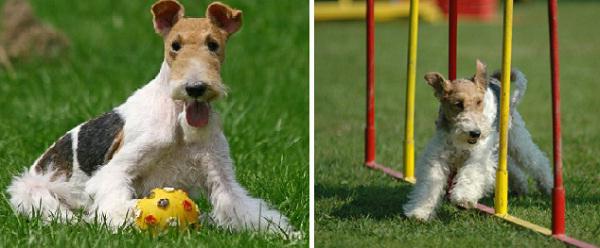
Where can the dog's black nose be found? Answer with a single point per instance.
(475, 134)
(195, 90)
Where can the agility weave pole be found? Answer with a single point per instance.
(370, 148)
(411, 74)
(558, 194)
(501, 195)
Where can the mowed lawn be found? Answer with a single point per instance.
(114, 52)
(362, 208)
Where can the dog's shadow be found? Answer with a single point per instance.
(376, 201)
(372, 201)
(383, 201)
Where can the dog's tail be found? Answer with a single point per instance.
(39, 194)
(518, 85)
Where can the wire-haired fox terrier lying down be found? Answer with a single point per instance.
(466, 143)
(165, 134)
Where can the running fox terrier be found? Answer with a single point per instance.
(165, 134)
(466, 143)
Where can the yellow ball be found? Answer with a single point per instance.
(164, 208)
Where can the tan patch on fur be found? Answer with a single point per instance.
(465, 96)
(193, 34)
(57, 159)
(187, 40)
(114, 147)
(460, 95)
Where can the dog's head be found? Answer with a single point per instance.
(194, 50)
(462, 105)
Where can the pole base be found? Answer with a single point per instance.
(390, 172)
(573, 242)
(526, 224)
(490, 210)
(558, 211)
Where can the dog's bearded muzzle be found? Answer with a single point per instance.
(196, 96)
(470, 130)
(203, 91)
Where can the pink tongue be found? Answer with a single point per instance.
(197, 113)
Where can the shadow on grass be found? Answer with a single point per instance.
(373, 201)
(380, 202)
(377, 202)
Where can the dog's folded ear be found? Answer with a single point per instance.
(224, 17)
(439, 83)
(480, 77)
(166, 13)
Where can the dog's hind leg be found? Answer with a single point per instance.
(46, 188)
(528, 155)
(34, 193)
(517, 179)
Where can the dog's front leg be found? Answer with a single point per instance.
(233, 208)
(111, 191)
(427, 193)
(475, 179)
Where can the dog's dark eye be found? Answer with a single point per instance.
(478, 102)
(212, 46)
(175, 46)
(459, 104)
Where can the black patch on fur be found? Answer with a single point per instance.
(495, 85)
(58, 158)
(498, 75)
(95, 139)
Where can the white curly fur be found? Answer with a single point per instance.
(475, 164)
(160, 149)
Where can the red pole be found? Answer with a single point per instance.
(558, 192)
(452, 30)
(370, 128)
(453, 20)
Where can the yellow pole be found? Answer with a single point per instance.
(409, 144)
(345, 2)
(501, 199)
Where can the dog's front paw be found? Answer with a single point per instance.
(519, 189)
(206, 219)
(419, 214)
(117, 215)
(463, 201)
(545, 185)
(293, 235)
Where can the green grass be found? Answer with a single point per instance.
(115, 51)
(362, 208)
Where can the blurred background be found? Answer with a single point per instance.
(430, 10)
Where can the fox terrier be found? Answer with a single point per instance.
(165, 134)
(466, 143)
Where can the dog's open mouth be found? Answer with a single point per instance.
(472, 141)
(197, 113)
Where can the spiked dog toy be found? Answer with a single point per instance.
(164, 208)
